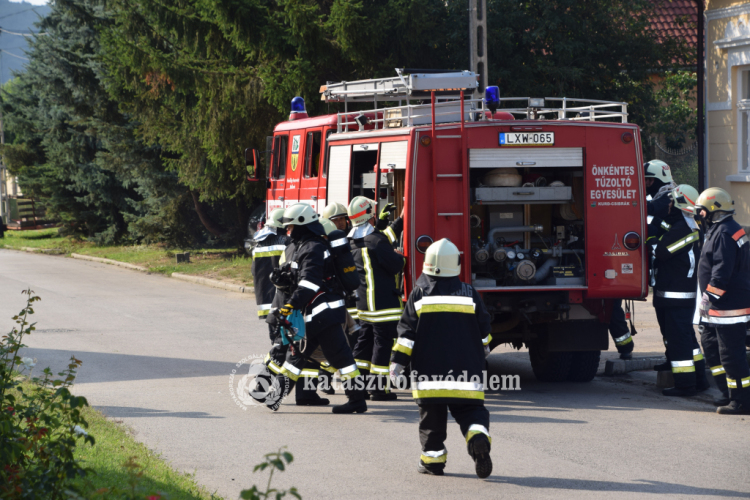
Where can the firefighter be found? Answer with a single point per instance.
(336, 213)
(379, 302)
(270, 243)
(313, 294)
(675, 284)
(445, 333)
(659, 184)
(724, 279)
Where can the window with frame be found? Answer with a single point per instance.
(312, 154)
(279, 157)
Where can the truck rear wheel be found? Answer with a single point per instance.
(549, 366)
(584, 366)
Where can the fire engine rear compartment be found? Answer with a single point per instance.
(527, 219)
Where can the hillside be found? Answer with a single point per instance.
(18, 17)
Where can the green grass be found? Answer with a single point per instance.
(115, 447)
(222, 264)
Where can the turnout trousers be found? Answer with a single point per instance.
(683, 351)
(473, 419)
(297, 366)
(372, 352)
(724, 346)
(618, 329)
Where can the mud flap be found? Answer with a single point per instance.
(587, 335)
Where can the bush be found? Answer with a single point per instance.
(40, 421)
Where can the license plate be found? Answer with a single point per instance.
(527, 138)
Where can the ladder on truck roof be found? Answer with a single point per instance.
(410, 85)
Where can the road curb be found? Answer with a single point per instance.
(51, 251)
(109, 261)
(214, 283)
(622, 366)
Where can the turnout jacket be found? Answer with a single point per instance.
(443, 331)
(315, 294)
(392, 231)
(724, 273)
(675, 258)
(339, 245)
(268, 249)
(379, 267)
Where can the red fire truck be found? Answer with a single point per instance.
(546, 201)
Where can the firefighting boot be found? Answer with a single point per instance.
(381, 391)
(306, 394)
(739, 404)
(701, 380)
(431, 469)
(479, 449)
(684, 383)
(355, 392)
(720, 377)
(663, 367)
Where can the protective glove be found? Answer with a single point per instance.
(486, 351)
(286, 310)
(387, 210)
(705, 304)
(396, 370)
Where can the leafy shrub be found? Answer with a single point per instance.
(40, 421)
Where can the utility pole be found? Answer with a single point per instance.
(478, 43)
(701, 101)
(4, 203)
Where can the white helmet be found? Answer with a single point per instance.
(684, 197)
(274, 218)
(299, 214)
(657, 169)
(333, 210)
(328, 226)
(361, 210)
(442, 259)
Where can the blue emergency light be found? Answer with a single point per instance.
(298, 105)
(492, 97)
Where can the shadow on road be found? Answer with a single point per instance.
(111, 367)
(131, 412)
(638, 486)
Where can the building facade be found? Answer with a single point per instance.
(728, 101)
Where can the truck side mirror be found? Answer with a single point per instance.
(252, 164)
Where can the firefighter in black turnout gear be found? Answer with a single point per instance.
(659, 184)
(445, 333)
(724, 278)
(675, 288)
(270, 243)
(379, 302)
(312, 293)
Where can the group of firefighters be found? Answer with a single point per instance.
(330, 289)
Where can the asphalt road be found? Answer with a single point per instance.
(158, 354)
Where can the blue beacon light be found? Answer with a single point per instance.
(492, 98)
(298, 105)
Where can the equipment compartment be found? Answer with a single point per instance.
(528, 236)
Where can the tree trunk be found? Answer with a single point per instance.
(209, 224)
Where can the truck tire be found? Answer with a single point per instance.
(584, 366)
(549, 366)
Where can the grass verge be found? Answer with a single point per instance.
(113, 460)
(222, 264)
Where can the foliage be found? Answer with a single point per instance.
(273, 461)
(41, 425)
(132, 116)
(677, 117)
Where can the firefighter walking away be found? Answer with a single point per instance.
(444, 333)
